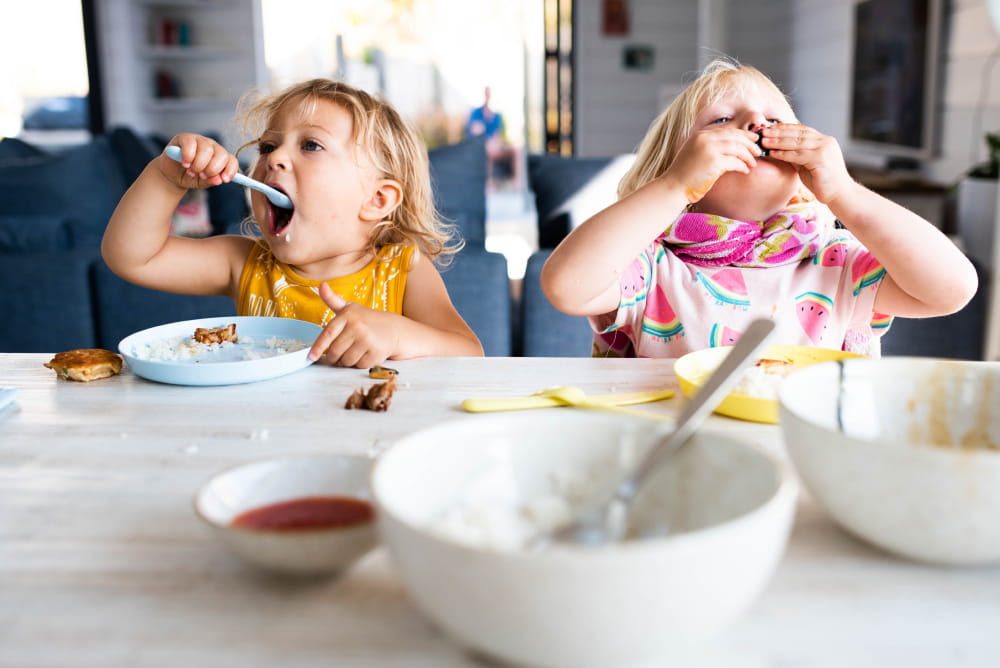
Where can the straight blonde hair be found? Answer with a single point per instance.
(671, 128)
(392, 145)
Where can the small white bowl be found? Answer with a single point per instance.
(897, 475)
(730, 506)
(315, 551)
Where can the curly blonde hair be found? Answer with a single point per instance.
(668, 132)
(391, 144)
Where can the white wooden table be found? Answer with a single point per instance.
(103, 563)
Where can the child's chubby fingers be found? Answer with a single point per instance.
(204, 161)
(331, 298)
(709, 154)
(790, 140)
(325, 340)
(333, 329)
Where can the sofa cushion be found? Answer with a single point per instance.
(12, 149)
(132, 152)
(123, 308)
(227, 208)
(961, 335)
(458, 176)
(46, 302)
(479, 287)
(83, 184)
(545, 331)
(34, 234)
(570, 190)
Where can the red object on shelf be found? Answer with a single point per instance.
(168, 32)
(615, 17)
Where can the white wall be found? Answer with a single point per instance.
(805, 45)
(614, 106)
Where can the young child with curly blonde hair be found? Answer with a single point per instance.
(356, 252)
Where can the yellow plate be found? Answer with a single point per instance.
(694, 368)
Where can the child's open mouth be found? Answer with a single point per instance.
(278, 217)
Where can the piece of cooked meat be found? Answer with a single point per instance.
(85, 364)
(216, 334)
(377, 398)
(776, 367)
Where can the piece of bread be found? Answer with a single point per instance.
(216, 334)
(85, 364)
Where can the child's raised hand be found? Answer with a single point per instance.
(708, 154)
(204, 163)
(358, 336)
(818, 158)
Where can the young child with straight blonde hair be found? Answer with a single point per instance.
(354, 255)
(727, 215)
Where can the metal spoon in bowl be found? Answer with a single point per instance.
(606, 520)
(276, 197)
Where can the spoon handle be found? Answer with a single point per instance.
(487, 404)
(718, 385)
(276, 197)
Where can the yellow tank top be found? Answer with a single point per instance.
(271, 288)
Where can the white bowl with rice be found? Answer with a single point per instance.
(458, 502)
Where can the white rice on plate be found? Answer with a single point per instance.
(185, 348)
(758, 383)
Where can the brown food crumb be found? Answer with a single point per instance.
(216, 334)
(382, 372)
(776, 367)
(377, 398)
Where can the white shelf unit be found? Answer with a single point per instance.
(222, 59)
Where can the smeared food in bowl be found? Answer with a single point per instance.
(903, 452)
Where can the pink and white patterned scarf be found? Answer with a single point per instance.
(789, 236)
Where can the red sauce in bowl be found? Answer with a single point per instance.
(309, 512)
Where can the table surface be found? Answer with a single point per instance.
(103, 562)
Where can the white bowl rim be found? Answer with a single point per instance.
(893, 445)
(786, 491)
(282, 459)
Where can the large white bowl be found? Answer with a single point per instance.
(729, 504)
(916, 468)
(304, 552)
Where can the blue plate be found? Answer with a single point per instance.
(246, 361)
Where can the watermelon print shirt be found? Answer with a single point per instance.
(670, 307)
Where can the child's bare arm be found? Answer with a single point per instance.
(137, 243)
(581, 276)
(430, 326)
(926, 274)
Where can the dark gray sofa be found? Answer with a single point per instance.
(58, 293)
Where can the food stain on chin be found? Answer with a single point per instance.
(695, 194)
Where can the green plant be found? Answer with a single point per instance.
(991, 168)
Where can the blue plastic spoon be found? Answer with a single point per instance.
(276, 197)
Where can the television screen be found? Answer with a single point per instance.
(894, 79)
